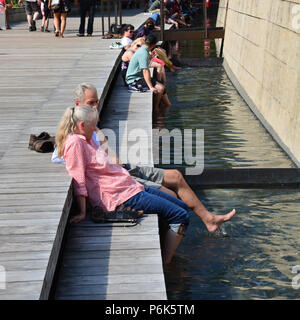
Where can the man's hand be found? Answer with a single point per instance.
(154, 90)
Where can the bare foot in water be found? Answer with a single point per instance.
(215, 221)
(174, 68)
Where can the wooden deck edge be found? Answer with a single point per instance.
(109, 82)
(57, 245)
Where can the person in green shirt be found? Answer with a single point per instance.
(138, 75)
(155, 6)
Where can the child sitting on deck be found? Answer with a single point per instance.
(106, 184)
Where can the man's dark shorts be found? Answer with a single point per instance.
(31, 7)
(141, 84)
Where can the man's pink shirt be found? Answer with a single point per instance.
(104, 183)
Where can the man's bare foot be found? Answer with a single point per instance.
(215, 221)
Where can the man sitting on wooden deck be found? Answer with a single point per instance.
(138, 75)
(170, 181)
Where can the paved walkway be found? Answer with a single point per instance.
(38, 75)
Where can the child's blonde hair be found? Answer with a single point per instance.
(68, 124)
(133, 43)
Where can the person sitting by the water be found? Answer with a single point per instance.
(154, 63)
(169, 19)
(155, 6)
(107, 185)
(177, 15)
(156, 17)
(126, 57)
(161, 54)
(127, 36)
(138, 75)
(146, 28)
(186, 9)
(170, 181)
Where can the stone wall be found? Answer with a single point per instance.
(262, 58)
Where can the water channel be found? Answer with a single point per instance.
(254, 255)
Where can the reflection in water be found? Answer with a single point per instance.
(204, 98)
(255, 259)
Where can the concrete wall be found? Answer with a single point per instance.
(262, 58)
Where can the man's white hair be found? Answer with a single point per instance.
(79, 92)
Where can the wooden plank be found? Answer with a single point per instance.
(70, 255)
(113, 279)
(119, 296)
(113, 270)
(141, 287)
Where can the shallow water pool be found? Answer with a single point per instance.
(253, 255)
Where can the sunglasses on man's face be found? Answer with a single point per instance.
(138, 45)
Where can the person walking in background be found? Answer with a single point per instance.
(32, 12)
(6, 5)
(46, 13)
(2, 13)
(86, 7)
(60, 17)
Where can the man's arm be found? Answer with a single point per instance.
(147, 77)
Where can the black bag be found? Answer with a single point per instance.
(116, 28)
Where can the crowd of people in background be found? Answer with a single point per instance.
(176, 12)
(5, 7)
(59, 9)
(142, 53)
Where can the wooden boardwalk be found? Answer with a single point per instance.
(38, 76)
